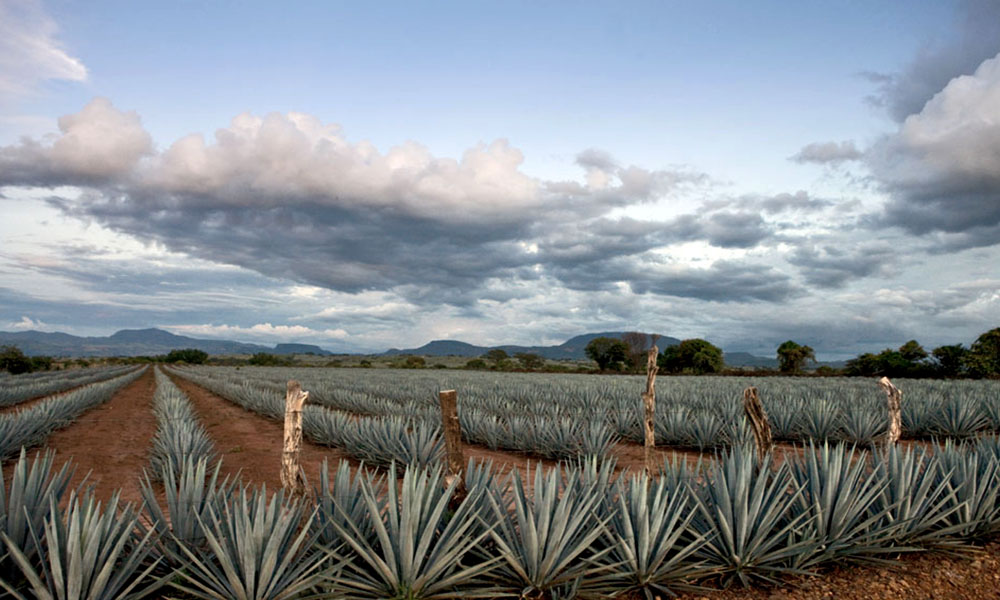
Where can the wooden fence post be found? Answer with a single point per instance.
(894, 397)
(292, 478)
(758, 423)
(649, 405)
(452, 428)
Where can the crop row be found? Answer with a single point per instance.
(179, 434)
(578, 532)
(375, 440)
(33, 424)
(14, 390)
(563, 416)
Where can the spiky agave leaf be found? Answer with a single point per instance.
(840, 504)
(918, 500)
(548, 538)
(88, 554)
(27, 501)
(975, 478)
(419, 550)
(746, 515)
(340, 500)
(191, 497)
(655, 546)
(255, 550)
(958, 418)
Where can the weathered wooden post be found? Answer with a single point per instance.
(649, 404)
(758, 423)
(452, 428)
(292, 478)
(894, 397)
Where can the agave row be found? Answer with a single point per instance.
(701, 413)
(33, 424)
(576, 531)
(376, 440)
(180, 434)
(17, 389)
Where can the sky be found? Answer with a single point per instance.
(372, 175)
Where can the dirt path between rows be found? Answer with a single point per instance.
(919, 577)
(250, 443)
(111, 441)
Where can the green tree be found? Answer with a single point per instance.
(263, 359)
(476, 363)
(498, 357)
(950, 360)
(695, 356)
(530, 360)
(607, 352)
(190, 356)
(414, 362)
(983, 359)
(14, 361)
(792, 357)
(913, 351)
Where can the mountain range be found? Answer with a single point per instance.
(151, 342)
(136, 342)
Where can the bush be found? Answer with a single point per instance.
(187, 355)
(476, 363)
(263, 359)
(14, 361)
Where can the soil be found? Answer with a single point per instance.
(109, 444)
(250, 444)
(919, 577)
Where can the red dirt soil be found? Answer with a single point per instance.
(111, 441)
(251, 444)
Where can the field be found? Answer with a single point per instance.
(587, 523)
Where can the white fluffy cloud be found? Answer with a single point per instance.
(942, 167)
(29, 50)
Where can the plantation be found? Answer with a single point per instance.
(387, 523)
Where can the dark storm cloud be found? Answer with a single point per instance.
(975, 39)
(724, 281)
(288, 197)
(835, 265)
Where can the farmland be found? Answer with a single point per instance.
(559, 510)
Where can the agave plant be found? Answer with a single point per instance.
(655, 547)
(862, 426)
(840, 505)
(255, 550)
(25, 504)
(87, 554)
(549, 538)
(975, 478)
(746, 516)
(340, 501)
(957, 418)
(820, 421)
(919, 500)
(192, 496)
(418, 549)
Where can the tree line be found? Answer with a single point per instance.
(700, 357)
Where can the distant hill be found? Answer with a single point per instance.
(136, 342)
(571, 349)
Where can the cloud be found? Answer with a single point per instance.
(942, 166)
(975, 38)
(827, 153)
(833, 265)
(29, 51)
(27, 324)
(288, 196)
(260, 331)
